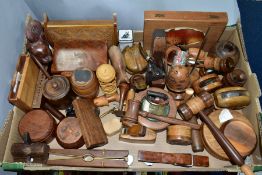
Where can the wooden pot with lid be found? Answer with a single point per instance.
(39, 124)
(56, 91)
(84, 83)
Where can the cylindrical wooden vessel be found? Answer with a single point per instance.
(84, 83)
(68, 133)
(179, 135)
(243, 128)
(39, 124)
(56, 91)
(106, 76)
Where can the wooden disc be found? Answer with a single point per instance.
(68, 133)
(211, 145)
(39, 124)
(240, 134)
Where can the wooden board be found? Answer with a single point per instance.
(153, 20)
(66, 30)
(24, 95)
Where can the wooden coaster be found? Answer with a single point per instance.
(212, 146)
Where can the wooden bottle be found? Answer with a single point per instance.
(39, 124)
(106, 76)
(68, 133)
(56, 91)
(178, 135)
(196, 104)
(135, 62)
(84, 83)
(235, 78)
(178, 79)
(90, 124)
(117, 60)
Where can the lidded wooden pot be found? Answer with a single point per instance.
(39, 124)
(56, 91)
(84, 83)
(106, 76)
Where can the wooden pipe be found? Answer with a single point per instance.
(131, 116)
(229, 149)
(56, 113)
(118, 63)
(105, 100)
(123, 87)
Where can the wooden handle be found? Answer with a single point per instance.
(124, 87)
(172, 121)
(56, 113)
(130, 96)
(104, 100)
(41, 67)
(229, 149)
(246, 170)
(197, 143)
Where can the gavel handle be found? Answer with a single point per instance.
(229, 149)
(56, 113)
(41, 67)
(169, 120)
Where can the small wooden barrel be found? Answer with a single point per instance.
(84, 83)
(179, 135)
(56, 91)
(39, 124)
(106, 75)
(68, 133)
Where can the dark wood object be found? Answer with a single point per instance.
(197, 20)
(56, 113)
(90, 124)
(208, 83)
(84, 83)
(197, 143)
(178, 135)
(118, 62)
(39, 124)
(235, 78)
(196, 104)
(227, 49)
(135, 62)
(179, 159)
(232, 97)
(138, 82)
(56, 91)
(68, 133)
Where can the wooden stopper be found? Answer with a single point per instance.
(196, 104)
(106, 75)
(179, 135)
(39, 124)
(56, 91)
(68, 133)
(84, 83)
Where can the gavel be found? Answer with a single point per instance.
(131, 116)
(204, 100)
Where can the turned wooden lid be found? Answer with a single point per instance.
(212, 146)
(39, 124)
(56, 88)
(81, 77)
(68, 133)
(105, 73)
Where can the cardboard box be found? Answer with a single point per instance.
(10, 133)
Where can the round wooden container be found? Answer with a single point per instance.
(56, 91)
(106, 76)
(179, 135)
(39, 124)
(84, 83)
(178, 79)
(213, 147)
(68, 133)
